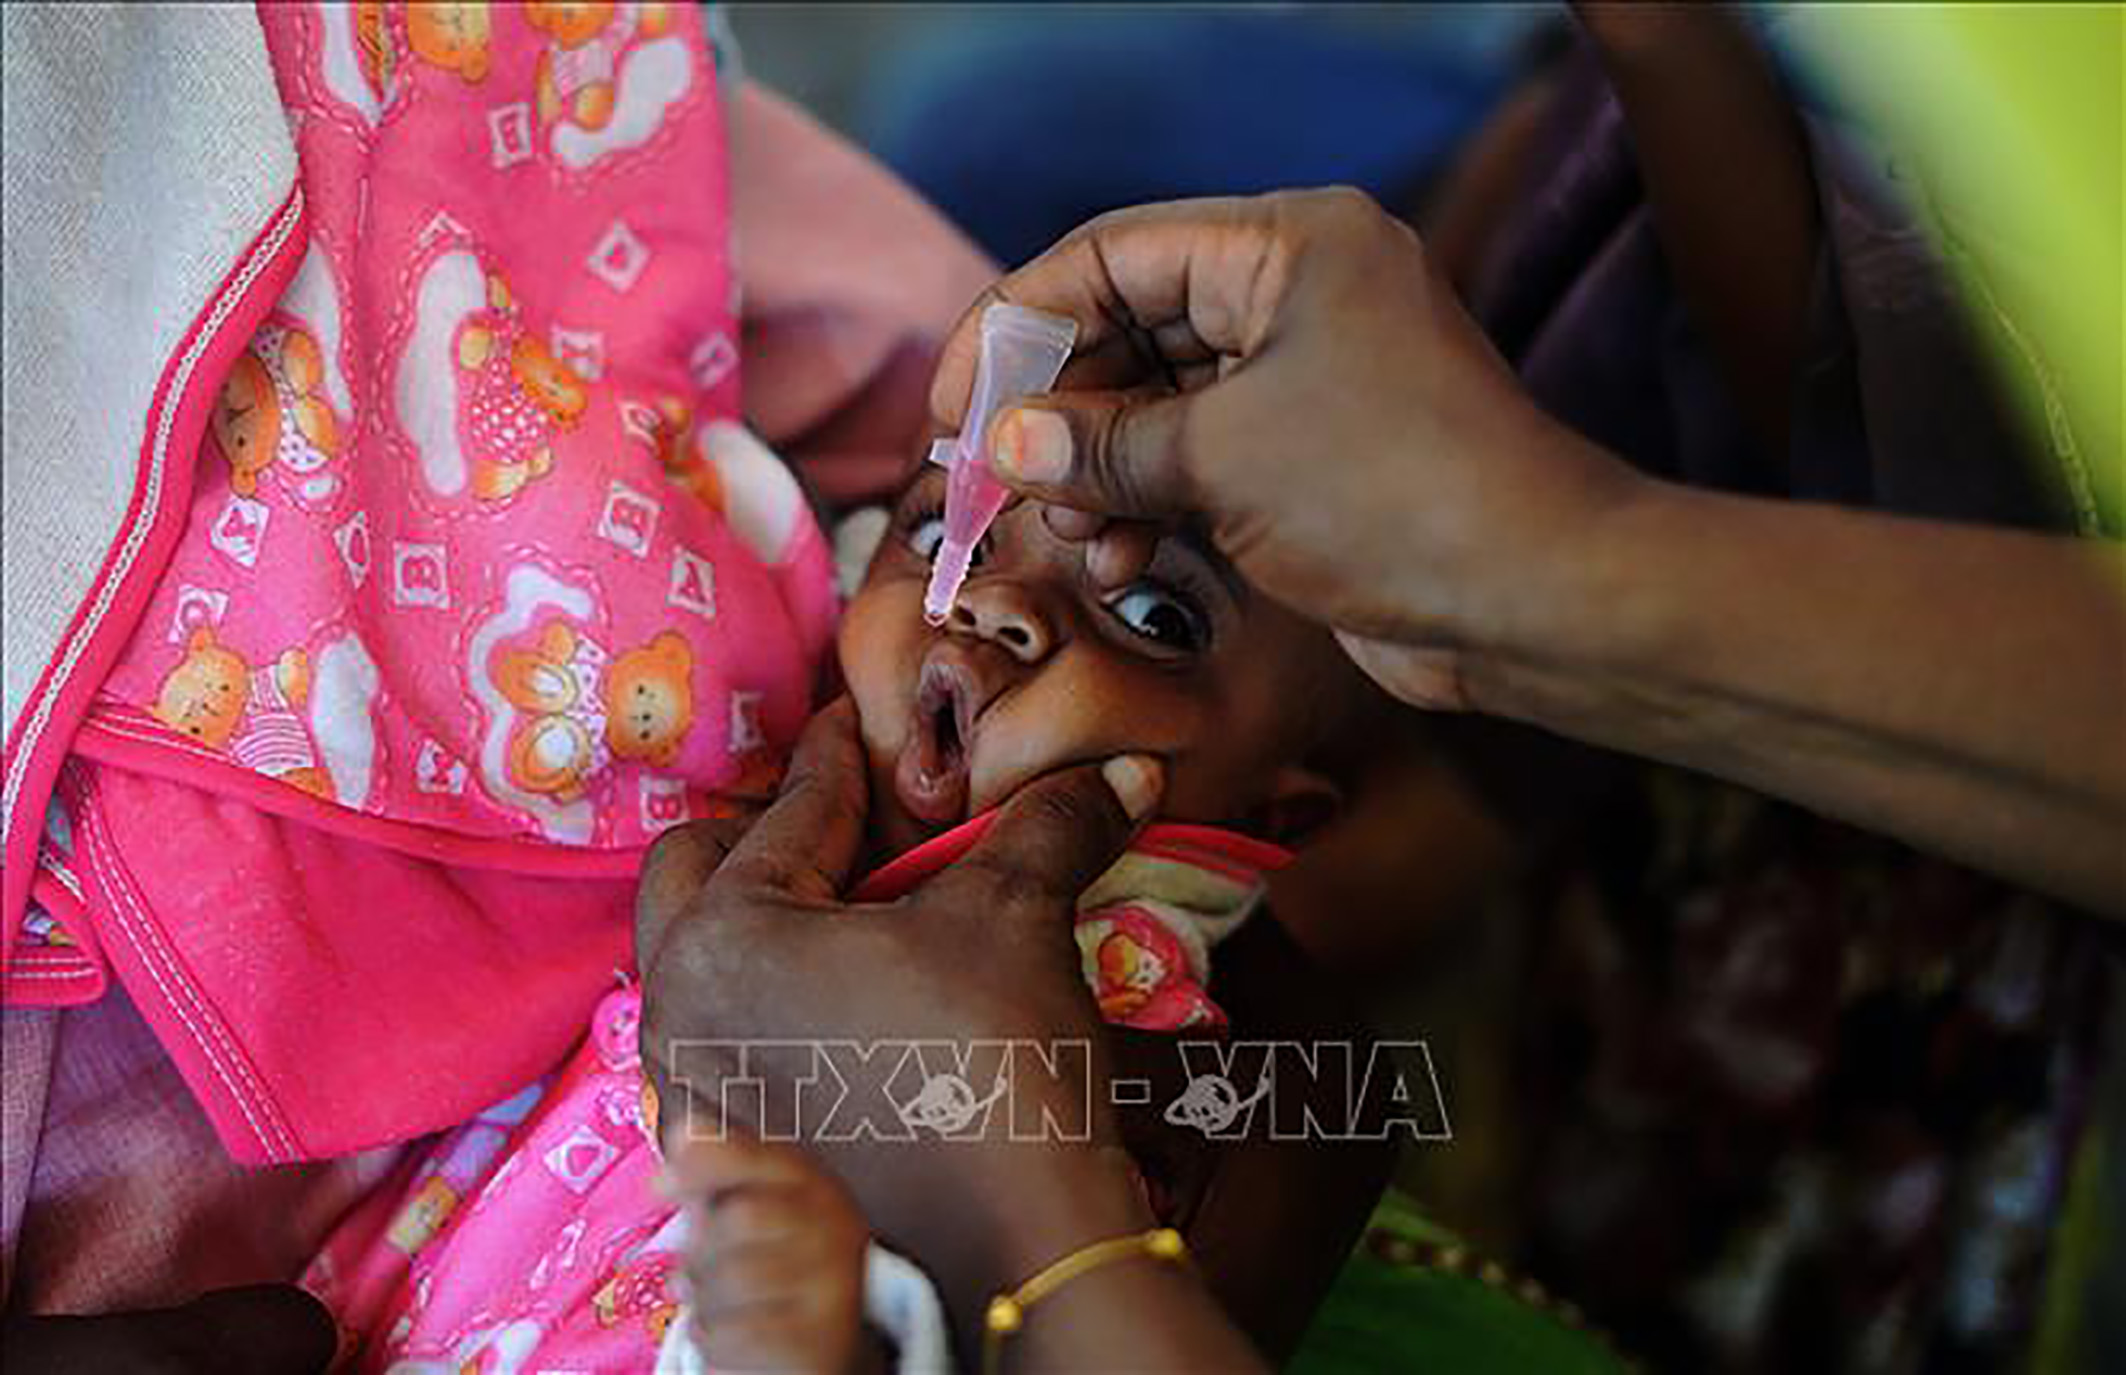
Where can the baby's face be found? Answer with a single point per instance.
(1038, 670)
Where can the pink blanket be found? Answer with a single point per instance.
(192, 849)
(483, 586)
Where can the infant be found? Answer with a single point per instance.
(1255, 713)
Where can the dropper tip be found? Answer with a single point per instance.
(946, 577)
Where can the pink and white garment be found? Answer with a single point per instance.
(530, 1238)
(850, 284)
(483, 585)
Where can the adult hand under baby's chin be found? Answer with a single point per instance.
(749, 944)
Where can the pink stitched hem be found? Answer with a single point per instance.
(199, 1041)
(137, 743)
(34, 983)
(146, 538)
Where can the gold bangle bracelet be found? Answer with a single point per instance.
(1007, 1312)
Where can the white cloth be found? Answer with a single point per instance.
(145, 148)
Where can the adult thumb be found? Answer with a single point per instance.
(1118, 453)
(1058, 834)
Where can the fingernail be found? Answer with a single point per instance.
(1135, 779)
(1033, 446)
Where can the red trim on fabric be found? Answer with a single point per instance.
(126, 583)
(135, 742)
(1228, 866)
(1205, 845)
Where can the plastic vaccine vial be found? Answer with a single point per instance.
(1022, 352)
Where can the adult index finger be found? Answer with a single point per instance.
(679, 863)
(1181, 276)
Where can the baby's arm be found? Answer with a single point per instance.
(775, 1261)
(1726, 169)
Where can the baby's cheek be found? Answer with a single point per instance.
(880, 645)
(1214, 756)
(1084, 705)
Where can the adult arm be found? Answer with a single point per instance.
(1291, 368)
(1726, 170)
(1960, 688)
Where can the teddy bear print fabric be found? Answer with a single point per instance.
(477, 544)
(482, 585)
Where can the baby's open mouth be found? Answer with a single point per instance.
(931, 777)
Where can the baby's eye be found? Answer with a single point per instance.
(1164, 617)
(926, 534)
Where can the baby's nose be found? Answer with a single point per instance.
(1003, 612)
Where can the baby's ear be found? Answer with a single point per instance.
(1301, 804)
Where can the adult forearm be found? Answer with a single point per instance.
(1960, 688)
(1013, 1213)
(1163, 1317)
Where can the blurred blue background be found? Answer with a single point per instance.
(1020, 121)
